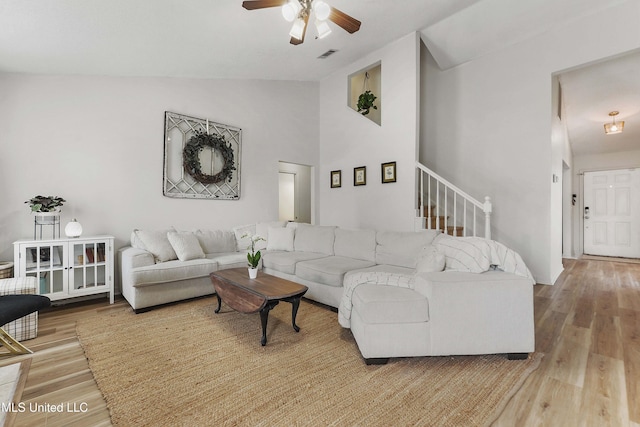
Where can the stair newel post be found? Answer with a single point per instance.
(487, 208)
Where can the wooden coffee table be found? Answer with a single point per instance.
(256, 295)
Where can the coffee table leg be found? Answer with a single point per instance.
(217, 310)
(264, 316)
(295, 303)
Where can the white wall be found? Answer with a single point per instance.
(595, 162)
(98, 142)
(486, 127)
(349, 140)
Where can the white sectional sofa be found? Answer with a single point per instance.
(402, 294)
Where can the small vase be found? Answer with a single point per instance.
(253, 273)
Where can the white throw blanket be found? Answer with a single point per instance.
(509, 261)
(355, 279)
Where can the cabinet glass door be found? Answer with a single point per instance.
(89, 266)
(45, 263)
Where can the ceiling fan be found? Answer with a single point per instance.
(299, 11)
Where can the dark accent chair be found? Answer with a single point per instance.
(13, 307)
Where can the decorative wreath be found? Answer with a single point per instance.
(191, 158)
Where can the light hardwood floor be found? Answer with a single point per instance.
(587, 325)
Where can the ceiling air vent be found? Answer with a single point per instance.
(327, 54)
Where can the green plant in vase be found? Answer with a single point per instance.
(253, 256)
(45, 203)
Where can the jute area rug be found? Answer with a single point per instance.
(184, 365)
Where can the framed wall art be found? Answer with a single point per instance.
(336, 179)
(388, 172)
(201, 158)
(360, 175)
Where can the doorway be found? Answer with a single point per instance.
(611, 213)
(294, 182)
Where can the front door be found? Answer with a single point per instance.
(612, 213)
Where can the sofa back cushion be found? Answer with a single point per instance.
(314, 238)
(156, 242)
(358, 244)
(217, 241)
(402, 248)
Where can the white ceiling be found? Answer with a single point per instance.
(195, 38)
(591, 92)
(220, 39)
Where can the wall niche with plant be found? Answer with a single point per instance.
(365, 96)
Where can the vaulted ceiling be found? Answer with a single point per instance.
(195, 38)
(220, 39)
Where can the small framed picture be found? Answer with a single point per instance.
(336, 179)
(360, 175)
(388, 172)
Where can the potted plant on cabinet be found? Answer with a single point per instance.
(41, 204)
(46, 208)
(253, 256)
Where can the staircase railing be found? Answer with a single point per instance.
(449, 208)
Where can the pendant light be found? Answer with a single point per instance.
(613, 127)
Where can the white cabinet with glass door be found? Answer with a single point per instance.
(67, 268)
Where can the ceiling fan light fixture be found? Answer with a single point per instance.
(290, 10)
(323, 28)
(298, 29)
(613, 127)
(321, 9)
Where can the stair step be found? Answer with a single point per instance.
(459, 232)
(429, 211)
(434, 221)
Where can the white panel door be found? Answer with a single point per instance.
(612, 213)
(287, 192)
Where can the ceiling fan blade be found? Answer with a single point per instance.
(296, 41)
(262, 4)
(349, 24)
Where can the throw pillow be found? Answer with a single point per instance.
(185, 245)
(241, 232)
(262, 230)
(157, 243)
(430, 260)
(280, 239)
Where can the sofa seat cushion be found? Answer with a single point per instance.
(229, 260)
(380, 304)
(172, 271)
(488, 278)
(285, 262)
(386, 268)
(329, 270)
